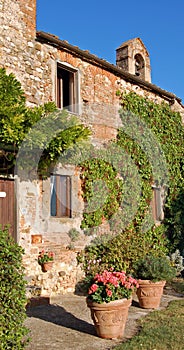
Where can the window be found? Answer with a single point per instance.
(157, 204)
(60, 196)
(67, 88)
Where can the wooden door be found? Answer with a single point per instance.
(7, 205)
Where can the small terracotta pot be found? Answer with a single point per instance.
(110, 318)
(47, 266)
(149, 293)
(35, 239)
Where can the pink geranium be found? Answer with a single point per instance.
(111, 285)
(93, 288)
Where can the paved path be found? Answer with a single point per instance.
(66, 324)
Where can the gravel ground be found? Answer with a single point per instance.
(66, 324)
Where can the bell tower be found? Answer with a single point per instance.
(133, 57)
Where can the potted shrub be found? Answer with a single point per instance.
(109, 298)
(152, 273)
(45, 259)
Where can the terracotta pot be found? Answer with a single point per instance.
(149, 293)
(110, 318)
(35, 239)
(47, 266)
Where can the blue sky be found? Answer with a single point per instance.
(101, 26)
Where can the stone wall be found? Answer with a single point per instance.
(34, 65)
(126, 54)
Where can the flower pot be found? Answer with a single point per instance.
(149, 293)
(36, 239)
(110, 318)
(47, 266)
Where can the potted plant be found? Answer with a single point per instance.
(152, 273)
(109, 298)
(45, 259)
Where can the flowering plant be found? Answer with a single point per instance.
(45, 257)
(111, 285)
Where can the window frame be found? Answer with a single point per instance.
(157, 203)
(58, 209)
(73, 93)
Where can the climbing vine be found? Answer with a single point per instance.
(102, 191)
(168, 128)
(41, 131)
(141, 236)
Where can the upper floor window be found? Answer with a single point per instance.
(60, 204)
(67, 88)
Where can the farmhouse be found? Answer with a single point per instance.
(51, 69)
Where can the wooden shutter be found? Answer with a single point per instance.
(61, 196)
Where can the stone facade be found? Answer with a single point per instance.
(34, 59)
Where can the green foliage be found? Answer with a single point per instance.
(154, 268)
(46, 132)
(122, 250)
(158, 126)
(111, 285)
(12, 109)
(101, 187)
(144, 171)
(73, 234)
(155, 240)
(12, 295)
(176, 260)
(169, 131)
(136, 236)
(44, 257)
(49, 138)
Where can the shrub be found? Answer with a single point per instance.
(176, 260)
(121, 251)
(12, 295)
(73, 234)
(154, 268)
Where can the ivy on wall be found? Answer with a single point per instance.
(102, 191)
(169, 131)
(140, 236)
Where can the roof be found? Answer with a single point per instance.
(91, 58)
(126, 43)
